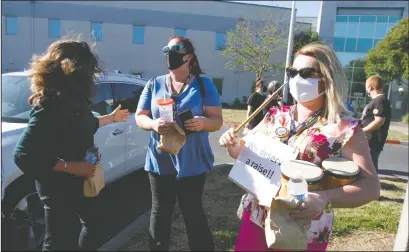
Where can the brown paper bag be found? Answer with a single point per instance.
(173, 141)
(281, 231)
(92, 186)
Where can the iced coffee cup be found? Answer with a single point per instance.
(165, 109)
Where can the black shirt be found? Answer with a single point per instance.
(52, 133)
(379, 106)
(254, 101)
(273, 103)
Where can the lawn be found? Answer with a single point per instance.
(396, 135)
(371, 227)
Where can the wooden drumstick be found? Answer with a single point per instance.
(258, 110)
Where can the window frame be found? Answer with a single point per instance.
(7, 26)
(94, 33)
(99, 84)
(49, 27)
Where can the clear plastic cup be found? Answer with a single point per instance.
(165, 109)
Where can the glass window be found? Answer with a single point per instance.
(339, 44)
(180, 32)
(352, 30)
(340, 29)
(54, 28)
(353, 19)
(220, 41)
(366, 30)
(366, 19)
(127, 95)
(358, 89)
(380, 30)
(103, 102)
(138, 34)
(389, 27)
(364, 45)
(348, 73)
(375, 42)
(359, 74)
(350, 45)
(218, 82)
(394, 19)
(11, 25)
(382, 19)
(342, 18)
(96, 29)
(15, 91)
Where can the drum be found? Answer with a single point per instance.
(311, 173)
(339, 171)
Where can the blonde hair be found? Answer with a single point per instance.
(334, 78)
(376, 82)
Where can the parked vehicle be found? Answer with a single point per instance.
(122, 145)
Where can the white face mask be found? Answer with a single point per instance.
(304, 90)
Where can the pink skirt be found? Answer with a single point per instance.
(252, 238)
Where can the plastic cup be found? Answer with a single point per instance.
(165, 109)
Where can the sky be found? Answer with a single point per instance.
(304, 8)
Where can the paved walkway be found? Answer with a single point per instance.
(400, 126)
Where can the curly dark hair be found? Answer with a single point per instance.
(65, 73)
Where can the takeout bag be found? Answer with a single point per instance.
(173, 141)
(281, 231)
(93, 185)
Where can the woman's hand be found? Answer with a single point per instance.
(312, 207)
(195, 124)
(233, 144)
(120, 115)
(162, 127)
(81, 169)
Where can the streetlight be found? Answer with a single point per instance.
(289, 52)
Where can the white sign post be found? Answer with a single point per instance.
(257, 169)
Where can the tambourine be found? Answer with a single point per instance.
(312, 174)
(339, 171)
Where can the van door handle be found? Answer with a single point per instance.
(117, 132)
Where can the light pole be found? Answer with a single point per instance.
(289, 52)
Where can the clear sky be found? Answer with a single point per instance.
(304, 8)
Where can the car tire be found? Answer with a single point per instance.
(23, 226)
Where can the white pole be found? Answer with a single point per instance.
(289, 51)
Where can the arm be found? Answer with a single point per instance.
(213, 119)
(106, 119)
(117, 115)
(376, 124)
(143, 119)
(248, 110)
(367, 187)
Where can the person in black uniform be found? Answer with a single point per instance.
(60, 131)
(253, 102)
(376, 117)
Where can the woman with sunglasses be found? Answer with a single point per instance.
(319, 119)
(182, 175)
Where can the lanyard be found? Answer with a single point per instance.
(302, 126)
(175, 97)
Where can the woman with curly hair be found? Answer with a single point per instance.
(60, 131)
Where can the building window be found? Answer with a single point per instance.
(138, 34)
(342, 19)
(352, 30)
(11, 25)
(180, 32)
(339, 44)
(220, 41)
(380, 30)
(354, 19)
(96, 29)
(382, 19)
(218, 82)
(375, 42)
(364, 45)
(350, 45)
(366, 30)
(368, 19)
(54, 28)
(340, 29)
(394, 19)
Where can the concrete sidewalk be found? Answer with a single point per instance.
(400, 126)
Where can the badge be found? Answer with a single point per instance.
(375, 111)
(282, 132)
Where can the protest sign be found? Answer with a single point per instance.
(257, 169)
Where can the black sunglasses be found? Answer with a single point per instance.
(303, 72)
(175, 48)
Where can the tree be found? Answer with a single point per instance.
(304, 37)
(251, 45)
(390, 58)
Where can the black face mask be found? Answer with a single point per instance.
(174, 60)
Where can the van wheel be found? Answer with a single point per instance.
(25, 226)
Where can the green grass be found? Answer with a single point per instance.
(221, 198)
(234, 116)
(396, 135)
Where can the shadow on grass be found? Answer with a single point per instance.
(391, 187)
(392, 173)
(383, 198)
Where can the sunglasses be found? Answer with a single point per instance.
(305, 73)
(175, 48)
